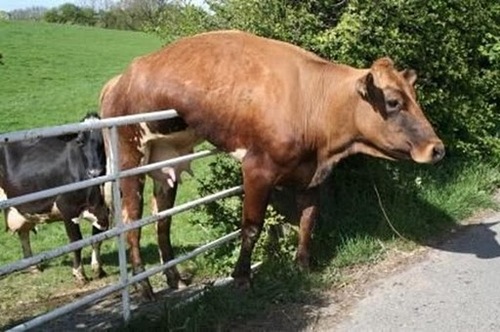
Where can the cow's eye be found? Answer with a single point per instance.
(393, 105)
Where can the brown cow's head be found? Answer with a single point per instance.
(390, 121)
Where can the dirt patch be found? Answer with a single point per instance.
(321, 313)
(107, 313)
(23, 310)
(362, 281)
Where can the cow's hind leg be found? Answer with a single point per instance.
(74, 234)
(96, 262)
(164, 198)
(258, 183)
(132, 205)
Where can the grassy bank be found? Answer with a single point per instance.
(421, 203)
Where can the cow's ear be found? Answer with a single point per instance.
(363, 85)
(410, 75)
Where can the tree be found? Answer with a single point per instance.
(34, 13)
(298, 22)
(71, 14)
(177, 19)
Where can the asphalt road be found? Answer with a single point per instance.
(456, 289)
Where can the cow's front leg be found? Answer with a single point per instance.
(307, 203)
(24, 237)
(132, 204)
(100, 210)
(164, 198)
(257, 183)
(96, 262)
(74, 234)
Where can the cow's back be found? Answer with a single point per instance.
(220, 83)
(34, 165)
(41, 164)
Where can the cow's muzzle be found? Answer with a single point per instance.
(428, 154)
(438, 152)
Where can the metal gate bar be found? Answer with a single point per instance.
(102, 179)
(116, 287)
(119, 224)
(22, 135)
(121, 228)
(26, 262)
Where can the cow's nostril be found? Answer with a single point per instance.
(438, 152)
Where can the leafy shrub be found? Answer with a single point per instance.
(179, 20)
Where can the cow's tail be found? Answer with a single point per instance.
(107, 102)
(3, 196)
(5, 215)
(108, 192)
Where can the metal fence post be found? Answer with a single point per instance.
(117, 214)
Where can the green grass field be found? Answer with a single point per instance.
(53, 75)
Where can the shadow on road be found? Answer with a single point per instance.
(477, 239)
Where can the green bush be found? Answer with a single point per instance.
(178, 20)
(292, 21)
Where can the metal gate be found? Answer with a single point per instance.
(113, 176)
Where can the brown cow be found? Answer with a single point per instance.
(288, 114)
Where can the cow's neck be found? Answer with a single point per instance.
(340, 100)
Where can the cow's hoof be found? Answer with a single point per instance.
(242, 283)
(80, 277)
(176, 280)
(34, 269)
(100, 273)
(304, 268)
(146, 291)
(183, 283)
(173, 278)
(186, 279)
(302, 261)
(81, 281)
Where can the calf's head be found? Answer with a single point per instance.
(91, 145)
(389, 119)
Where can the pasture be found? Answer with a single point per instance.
(53, 75)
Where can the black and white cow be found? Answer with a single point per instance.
(45, 163)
